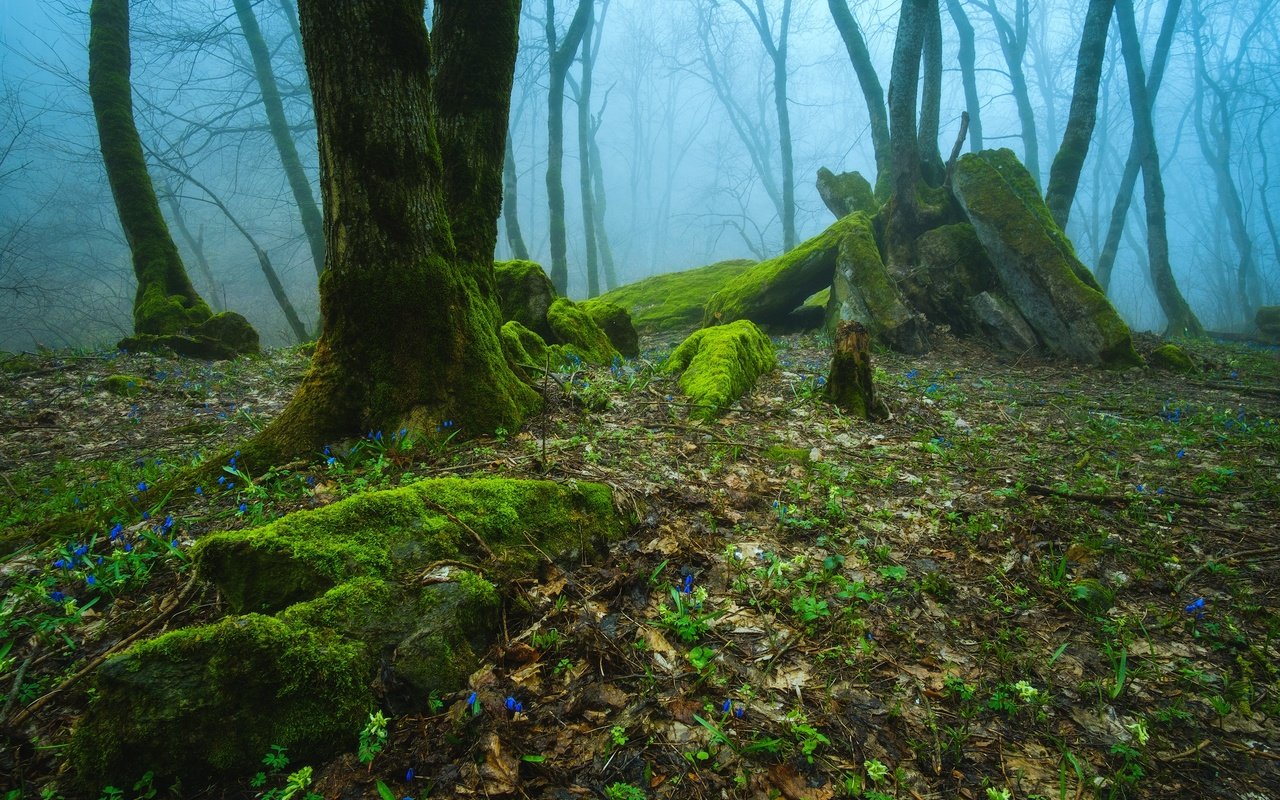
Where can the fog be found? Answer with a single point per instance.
(686, 128)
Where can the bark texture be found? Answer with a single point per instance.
(872, 91)
(410, 319)
(561, 58)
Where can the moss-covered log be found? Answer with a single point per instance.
(165, 303)
(720, 364)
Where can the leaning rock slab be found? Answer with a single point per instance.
(863, 291)
(1038, 270)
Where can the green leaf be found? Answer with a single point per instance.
(533, 758)
(385, 792)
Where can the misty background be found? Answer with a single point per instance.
(685, 124)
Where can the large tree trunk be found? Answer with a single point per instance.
(1013, 44)
(409, 239)
(872, 92)
(1064, 175)
(1181, 320)
(280, 134)
(166, 302)
(561, 58)
(1133, 161)
(968, 71)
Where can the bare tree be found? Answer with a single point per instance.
(561, 55)
(1013, 44)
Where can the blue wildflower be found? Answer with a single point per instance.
(243, 508)
(142, 486)
(60, 564)
(128, 547)
(168, 522)
(740, 711)
(199, 492)
(57, 597)
(146, 515)
(91, 580)
(688, 584)
(1182, 453)
(81, 550)
(222, 479)
(408, 775)
(1141, 487)
(728, 704)
(174, 544)
(913, 374)
(331, 461)
(1195, 605)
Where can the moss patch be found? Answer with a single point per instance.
(846, 193)
(614, 320)
(122, 385)
(525, 294)
(771, 289)
(676, 300)
(574, 328)
(862, 290)
(1171, 358)
(721, 364)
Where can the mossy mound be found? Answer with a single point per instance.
(676, 300)
(1268, 321)
(221, 337)
(376, 533)
(862, 290)
(846, 193)
(522, 347)
(1038, 270)
(614, 320)
(721, 364)
(358, 604)
(525, 294)
(772, 289)
(122, 385)
(574, 328)
(1171, 358)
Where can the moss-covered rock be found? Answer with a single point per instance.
(231, 331)
(721, 364)
(614, 320)
(846, 193)
(525, 294)
(863, 291)
(574, 328)
(374, 534)
(950, 268)
(1268, 321)
(523, 347)
(676, 300)
(772, 289)
(358, 604)
(1171, 358)
(1001, 324)
(220, 337)
(122, 385)
(1038, 270)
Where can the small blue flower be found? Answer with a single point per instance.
(728, 704)
(199, 492)
(57, 597)
(408, 775)
(222, 479)
(174, 544)
(326, 450)
(91, 580)
(230, 485)
(128, 547)
(1195, 605)
(1141, 487)
(146, 515)
(688, 584)
(473, 704)
(60, 564)
(243, 508)
(81, 550)
(142, 486)
(913, 374)
(740, 711)
(331, 461)
(168, 522)
(1182, 453)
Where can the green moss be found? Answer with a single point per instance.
(379, 534)
(846, 193)
(771, 289)
(1267, 319)
(574, 328)
(676, 300)
(525, 294)
(614, 320)
(122, 385)
(786, 455)
(721, 364)
(212, 699)
(1172, 358)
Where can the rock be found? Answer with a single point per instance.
(863, 291)
(1171, 358)
(846, 193)
(718, 365)
(122, 385)
(1038, 270)
(348, 607)
(574, 328)
(1268, 321)
(949, 270)
(770, 290)
(525, 293)
(1001, 323)
(523, 348)
(676, 300)
(231, 331)
(614, 320)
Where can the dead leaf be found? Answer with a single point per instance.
(500, 770)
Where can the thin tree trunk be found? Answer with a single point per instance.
(395, 258)
(968, 71)
(196, 244)
(510, 209)
(1181, 320)
(582, 93)
(1064, 175)
(1013, 43)
(1133, 162)
(280, 134)
(903, 90)
(561, 58)
(931, 166)
(166, 302)
(872, 92)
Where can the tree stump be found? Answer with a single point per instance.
(849, 385)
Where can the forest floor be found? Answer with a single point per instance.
(1033, 580)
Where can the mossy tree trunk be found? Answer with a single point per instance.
(1180, 319)
(510, 208)
(1064, 175)
(872, 91)
(904, 148)
(931, 98)
(410, 317)
(280, 133)
(850, 386)
(586, 190)
(1133, 162)
(1013, 44)
(561, 55)
(166, 302)
(968, 71)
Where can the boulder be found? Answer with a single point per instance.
(614, 320)
(846, 193)
(574, 328)
(1171, 358)
(221, 337)
(327, 605)
(770, 290)
(863, 291)
(525, 293)
(1037, 267)
(1001, 324)
(720, 364)
(949, 270)
(676, 300)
